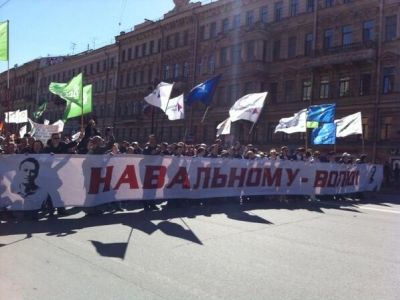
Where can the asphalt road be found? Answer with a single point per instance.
(259, 250)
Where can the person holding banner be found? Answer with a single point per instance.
(58, 147)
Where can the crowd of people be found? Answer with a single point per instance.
(91, 142)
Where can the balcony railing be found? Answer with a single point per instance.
(346, 48)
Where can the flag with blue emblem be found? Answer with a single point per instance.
(324, 135)
(203, 92)
(324, 113)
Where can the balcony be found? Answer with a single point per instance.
(356, 52)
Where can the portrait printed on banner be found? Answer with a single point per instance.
(25, 184)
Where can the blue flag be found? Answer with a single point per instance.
(325, 135)
(324, 113)
(203, 92)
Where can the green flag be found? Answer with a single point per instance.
(4, 40)
(40, 110)
(71, 91)
(72, 110)
(312, 124)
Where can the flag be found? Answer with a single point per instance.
(40, 110)
(4, 41)
(22, 131)
(17, 116)
(324, 113)
(349, 125)
(60, 124)
(248, 107)
(294, 124)
(73, 110)
(175, 109)
(203, 92)
(312, 124)
(224, 127)
(1, 126)
(71, 91)
(160, 96)
(75, 136)
(324, 135)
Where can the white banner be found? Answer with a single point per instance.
(88, 180)
(18, 116)
(43, 132)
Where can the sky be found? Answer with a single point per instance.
(39, 28)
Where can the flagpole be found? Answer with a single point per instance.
(363, 143)
(8, 75)
(81, 96)
(204, 115)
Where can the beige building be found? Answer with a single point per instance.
(303, 52)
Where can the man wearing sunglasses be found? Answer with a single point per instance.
(56, 146)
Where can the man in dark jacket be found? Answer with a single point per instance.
(57, 147)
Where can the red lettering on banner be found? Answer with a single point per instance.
(291, 176)
(128, 177)
(181, 177)
(218, 180)
(332, 180)
(256, 180)
(351, 178)
(151, 176)
(321, 178)
(96, 180)
(206, 181)
(234, 177)
(342, 178)
(269, 179)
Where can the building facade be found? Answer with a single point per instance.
(303, 52)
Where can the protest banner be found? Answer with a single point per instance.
(43, 132)
(89, 180)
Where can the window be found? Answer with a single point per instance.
(278, 10)
(273, 90)
(186, 38)
(390, 28)
(294, 7)
(306, 90)
(344, 87)
(166, 73)
(365, 84)
(122, 58)
(347, 35)
(176, 70)
(264, 14)
(388, 80)
(136, 51)
(213, 30)
(221, 96)
(144, 49)
(159, 45)
(224, 56)
(368, 31)
(289, 90)
(347, 1)
(271, 130)
(211, 64)
(176, 40)
(250, 18)
(276, 53)
(236, 54)
(328, 3)
(324, 88)
(248, 87)
(225, 25)
(292, 46)
(200, 68)
(185, 71)
(308, 44)
(236, 21)
(328, 38)
(310, 5)
(112, 63)
(150, 75)
(129, 53)
(202, 32)
(365, 128)
(250, 49)
(264, 53)
(386, 128)
(151, 47)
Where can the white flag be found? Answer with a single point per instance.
(22, 131)
(349, 125)
(175, 109)
(297, 123)
(75, 136)
(60, 125)
(248, 107)
(18, 116)
(160, 96)
(224, 127)
(46, 122)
